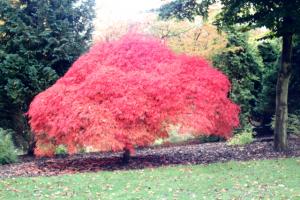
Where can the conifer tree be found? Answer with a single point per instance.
(39, 39)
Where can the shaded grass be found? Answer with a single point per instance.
(266, 179)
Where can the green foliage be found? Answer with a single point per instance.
(241, 138)
(293, 123)
(211, 138)
(241, 63)
(83, 150)
(280, 16)
(294, 87)
(8, 152)
(158, 142)
(61, 150)
(39, 40)
(185, 9)
(270, 54)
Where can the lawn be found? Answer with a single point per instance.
(267, 179)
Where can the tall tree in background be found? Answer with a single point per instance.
(280, 16)
(193, 38)
(39, 40)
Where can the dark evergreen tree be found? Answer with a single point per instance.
(294, 89)
(39, 40)
(270, 54)
(241, 63)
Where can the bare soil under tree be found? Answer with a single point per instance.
(184, 154)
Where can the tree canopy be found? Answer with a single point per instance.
(126, 93)
(280, 16)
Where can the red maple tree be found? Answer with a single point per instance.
(127, 93)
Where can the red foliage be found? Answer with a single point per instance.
(126, 93)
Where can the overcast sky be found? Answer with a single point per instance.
(124, 10)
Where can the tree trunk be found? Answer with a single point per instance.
(31, 148)
(284, 74)
(126, 156)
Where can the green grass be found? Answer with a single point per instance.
(267, 179)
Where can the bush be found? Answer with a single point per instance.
(242, 138)
(61, 150)
(293, 123)
(8, 152)
(211, 138)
